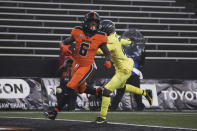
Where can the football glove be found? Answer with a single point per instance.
(108, 64)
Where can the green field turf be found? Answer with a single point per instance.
(167, 119)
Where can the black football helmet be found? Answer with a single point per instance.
(91, 16)
(107, 26)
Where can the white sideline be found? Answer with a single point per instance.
(150, 113)
(137, 125)
(65, 112)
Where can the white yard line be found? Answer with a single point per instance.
(137, 125)
(121, 112)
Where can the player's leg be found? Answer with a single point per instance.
(104, 106)
(66, 96)
(83, 87)
(128, 67)
(63, 97)
(117, 81)
(93, 91)
(80, 75)
(78, 80)
(134, 89)
(62, 100)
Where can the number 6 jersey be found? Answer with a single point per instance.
(86, 46)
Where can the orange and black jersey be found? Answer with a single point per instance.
(86, 45)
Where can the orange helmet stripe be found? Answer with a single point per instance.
(94, 15)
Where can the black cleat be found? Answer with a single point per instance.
(100, 120)
(149, 96)
(51, 114)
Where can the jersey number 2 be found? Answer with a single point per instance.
(84, 49)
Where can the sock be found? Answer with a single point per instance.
(104, 106)
(135, 90)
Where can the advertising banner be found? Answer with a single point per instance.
(23, 94)
(175, 94)
(40, 94)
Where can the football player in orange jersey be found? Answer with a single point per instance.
(87, 40)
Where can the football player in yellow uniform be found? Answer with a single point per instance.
(123, 66)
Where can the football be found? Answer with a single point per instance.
(59, 90)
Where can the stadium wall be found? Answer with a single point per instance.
(47, 67)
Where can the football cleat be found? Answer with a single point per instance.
(51, 114)
(100, 120)
(149, 96)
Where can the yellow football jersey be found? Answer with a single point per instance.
(119, 59)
